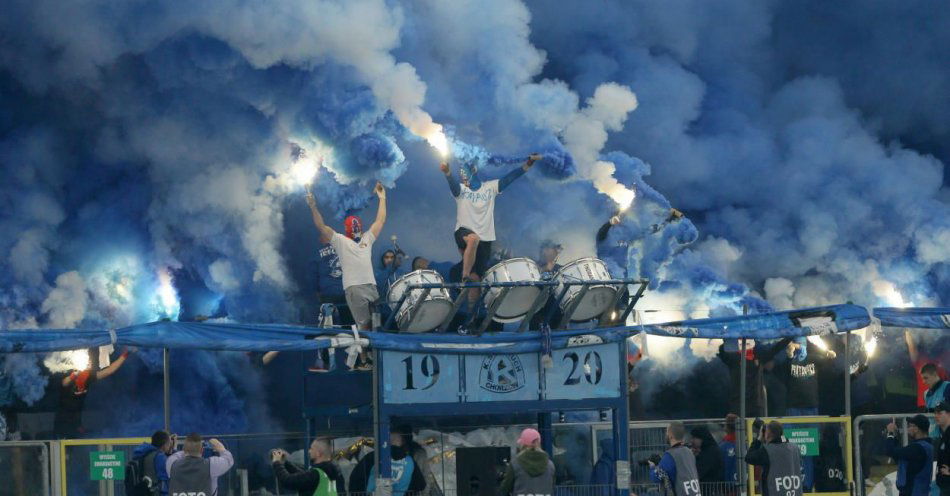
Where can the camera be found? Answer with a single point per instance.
(654, 458)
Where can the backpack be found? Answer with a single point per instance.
(138, 482)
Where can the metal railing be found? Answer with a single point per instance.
(872, 465)
(25, 468)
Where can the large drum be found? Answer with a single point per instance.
(519, 299)
(425, 315)
(598, 297)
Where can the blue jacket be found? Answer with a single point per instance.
(604, 472)
(914, 466)
(142, 450)
(939, 392)
(668, 466)
(728, 450)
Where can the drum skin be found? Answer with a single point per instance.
(518, 300)
(428, 314)
(598, 297)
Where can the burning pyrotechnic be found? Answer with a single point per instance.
(817, 341)
(437, 140)
(168, 304)
(890, 294)
(304, 171)
(870, 346)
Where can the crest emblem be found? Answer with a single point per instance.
(501, 374)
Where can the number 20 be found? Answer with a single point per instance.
(593, 368)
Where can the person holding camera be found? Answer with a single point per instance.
(191, 473)
(914, 461)
(324, 477)
(781, 461)
(676, 471)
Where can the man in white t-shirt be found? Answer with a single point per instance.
(475, 213)
(356, 257)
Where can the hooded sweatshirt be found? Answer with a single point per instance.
(534, 462)
(306, 481)
(709, 463)
(605, 471)
(143, 450)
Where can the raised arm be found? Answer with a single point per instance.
(380, 211)
(113, 367)
(604, 229)
(515, 174)
(453, 181)
(325, 232)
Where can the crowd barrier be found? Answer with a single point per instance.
(826, 448)
(872, 465)
(60, 468)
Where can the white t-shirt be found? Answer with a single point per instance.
(355, 258)
(476, 209)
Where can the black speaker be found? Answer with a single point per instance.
(478, 471)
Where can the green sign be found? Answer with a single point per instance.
(107, 465)
(806, 439)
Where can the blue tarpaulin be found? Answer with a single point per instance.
(921, 318)
(280, 337)
(768, 325)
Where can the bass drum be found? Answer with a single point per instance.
(598, 297)
(519, 299)
(425, 315)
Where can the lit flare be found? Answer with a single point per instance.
(438, 141)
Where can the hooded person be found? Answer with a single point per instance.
(324, 477)
(604, 473)
(355, 251)
(829, 464)
(406, 475)
(475, 212)
(530, 472)
(709, 464)
(402, 436)
(153, 456)
(67, 422)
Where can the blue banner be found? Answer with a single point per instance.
(921, 318)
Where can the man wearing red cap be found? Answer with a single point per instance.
(355, 251)
(531, 472)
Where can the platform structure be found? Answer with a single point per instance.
(439, 375)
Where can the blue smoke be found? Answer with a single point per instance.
(159, 139)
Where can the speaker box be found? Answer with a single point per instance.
(478, 471)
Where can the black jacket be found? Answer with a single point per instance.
(305, 481)
(359, 477)
(942, 455)
(709, 463)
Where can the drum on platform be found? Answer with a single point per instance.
(518, 301)
(416, 314)
(598, 296)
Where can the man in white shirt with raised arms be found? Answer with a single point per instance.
(355, 250)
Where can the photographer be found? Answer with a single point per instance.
(780, 460)
(676, 471)
(189, 471)
(914, 461)
(323, 479)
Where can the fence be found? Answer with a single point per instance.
(65, 467)
(872, 466)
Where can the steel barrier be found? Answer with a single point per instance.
(25, 468)
(871, 464)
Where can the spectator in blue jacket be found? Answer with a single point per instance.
(914, 461)
(604, 473)
(155, 454)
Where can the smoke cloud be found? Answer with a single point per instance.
(138, 140)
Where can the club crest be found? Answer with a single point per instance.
(501, 374)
